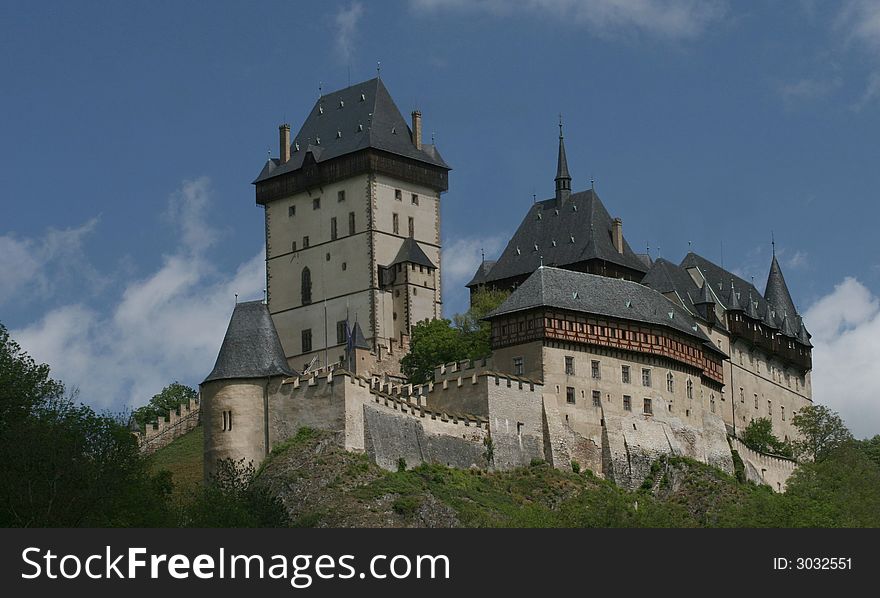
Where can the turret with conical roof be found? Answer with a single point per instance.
(776, 293)
(705, 304)
(235, 396)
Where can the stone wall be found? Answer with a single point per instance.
(166, 430)
(762, 468)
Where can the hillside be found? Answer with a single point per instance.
(323, 486)
(184, 459)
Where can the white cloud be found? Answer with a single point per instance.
(42, 266)
(797, 260)
(167, 326)
(846, 336)
(859, 23)
(671, 19)
(346, 22)
(460, 259)
(807, 89)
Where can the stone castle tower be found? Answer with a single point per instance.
(352, 211)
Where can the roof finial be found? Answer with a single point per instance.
(236, 298)
(320, 89)
(265, 296)
(378, 69)
(773, 243)
(542, 262)
(592, 183)
(482, 254)
(560, 125)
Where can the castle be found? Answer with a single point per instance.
(601, 356)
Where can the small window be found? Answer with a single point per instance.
(291, 211)
(351, 223)
(398, 195)
(306, 340)
(519, 428)
(770, 408)
(518, 366)
(627, 403)
(316, 203)
(624, 374)
(712, 403)
(756, 400)
(569, 365)
(646, 377)
(340, 196)
(306, 242)
(293, 246)
(597, 398)
(415, 199)
(742, 396)
(395, 224)
(670, 382)
(649, 410)
(412, 227)
(306, 286)
(333, 229)
(690, 388)
(782, 409)
(569, 395)
(341, 332)
(595, 371)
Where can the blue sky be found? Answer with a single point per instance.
(130, 132)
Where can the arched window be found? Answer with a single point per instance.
(306, 286)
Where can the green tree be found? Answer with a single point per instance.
(234, 497)
(871, 448)
(466, 336)
(62, 464)
(432, 342)
(821, 431)
(170, 399)
(759, 436)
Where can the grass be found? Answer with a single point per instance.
(184, 458)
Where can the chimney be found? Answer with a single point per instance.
(284, 141)
(417, 129)
(617, 234)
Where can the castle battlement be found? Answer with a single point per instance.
(165, 430)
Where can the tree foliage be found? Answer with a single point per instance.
(233, 497)
(63, 465)
(821, 432)
(466, 336)
(170, 399)
(759, 436)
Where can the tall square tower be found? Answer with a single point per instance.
(352, 212)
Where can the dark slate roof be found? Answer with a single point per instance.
(720, 280)
(349, 120)
(600, 295)
(358, 339)
(705, 295)
(251, 348)
(666, 277)
(776, 292)
(482, 273)
(410, 252)
(580, 229)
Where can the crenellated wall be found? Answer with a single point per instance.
(166, 430)
(762, 468)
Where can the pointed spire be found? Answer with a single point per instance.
(563, 178)
(752, 308)
(776, 292)
(788, 327)
(733, 304)
(803, 335)
(705, 294)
